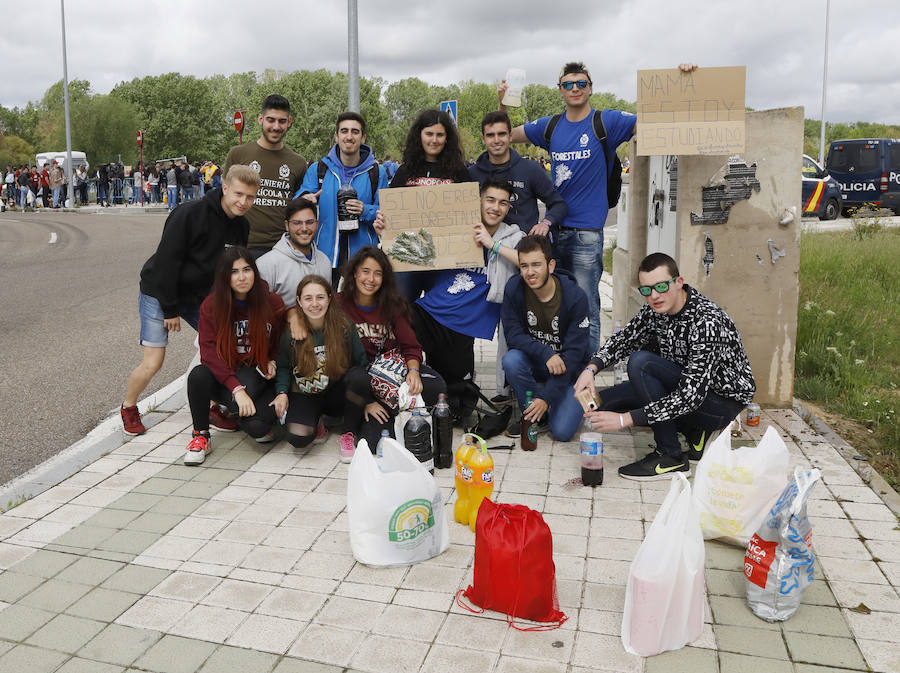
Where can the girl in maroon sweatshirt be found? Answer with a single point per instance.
(371, 300)
(240, 324)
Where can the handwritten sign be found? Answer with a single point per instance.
(699, 112)
(430, 227)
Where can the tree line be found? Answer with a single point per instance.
(186, 115)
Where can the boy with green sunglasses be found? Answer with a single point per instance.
(687, 370)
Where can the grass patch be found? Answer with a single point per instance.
(848, 337)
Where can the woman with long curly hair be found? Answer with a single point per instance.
(432, 156)
(310, 375)
(240, 324)
(371, 300)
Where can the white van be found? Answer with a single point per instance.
(78, 158)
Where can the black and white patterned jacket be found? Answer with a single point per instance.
(701, 338)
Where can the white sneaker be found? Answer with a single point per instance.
(266, 438)
(197, 449)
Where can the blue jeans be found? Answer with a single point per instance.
(154, 193)
(173, 197)
(650, 378)
(581, 252)
(23, 197)
(524, 374)
(57, 196)
(101, 191)
(153, 328)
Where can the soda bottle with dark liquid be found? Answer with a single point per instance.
(591, 455)
(442, 438)
(528, 436)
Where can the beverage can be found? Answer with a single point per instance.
(753, 412)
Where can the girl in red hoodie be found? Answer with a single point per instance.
(240, 324)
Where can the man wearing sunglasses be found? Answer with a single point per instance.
(579, 169)
(687, 371)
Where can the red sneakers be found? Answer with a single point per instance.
(197, 449)
(131, 421)
(220, 421)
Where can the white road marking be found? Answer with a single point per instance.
(52, 237)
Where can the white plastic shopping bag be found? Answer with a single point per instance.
(735, 488)
(779, 562)
(664, 593)
(395, 509)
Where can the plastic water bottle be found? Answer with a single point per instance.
(528, 436)
(379, 448)
(482, 485)
(620, 370)
(417, 439)
(591, 455)
(442, 431)
(463, 479)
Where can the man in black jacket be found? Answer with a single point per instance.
(687, 371)
(176, 279)
(545, 318)
(530, 182)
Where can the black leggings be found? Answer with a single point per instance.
(203, 387)
(305, 410)
(359, 394)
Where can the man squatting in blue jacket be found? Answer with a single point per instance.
(545, 318)
(349, 162)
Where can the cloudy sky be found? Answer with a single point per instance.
(780, 41)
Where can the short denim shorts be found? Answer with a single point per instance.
(153, 328)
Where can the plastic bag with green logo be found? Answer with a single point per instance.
(395, 508)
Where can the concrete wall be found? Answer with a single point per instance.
(759, 295)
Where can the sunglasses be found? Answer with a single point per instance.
(581, 84)
(663, 286)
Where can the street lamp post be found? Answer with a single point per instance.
(352, 57)
(70, 188)
(824, 87)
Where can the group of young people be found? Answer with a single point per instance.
(293, 321)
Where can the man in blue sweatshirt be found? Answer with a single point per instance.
(545, 318)
(346, 184)
(530, 181)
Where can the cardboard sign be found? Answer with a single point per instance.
(430, 227)
(699, 112)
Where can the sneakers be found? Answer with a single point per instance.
(514, 429)
(321, 433)
(219, 421)
(655, 466)
(501, 400)
(197, 449)
(696, 441)
(348, 447)
(131, 421)
(266, 438)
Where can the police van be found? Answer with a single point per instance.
(821, 192)
(868, 171)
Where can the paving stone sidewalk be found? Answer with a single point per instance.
(138, 563)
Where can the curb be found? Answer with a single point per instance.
(866, 472)
(102, 439)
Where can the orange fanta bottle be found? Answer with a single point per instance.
(482, 486)
(463, 479)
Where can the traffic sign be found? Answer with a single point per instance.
(238, 121)
(449, 106)
(140, 138)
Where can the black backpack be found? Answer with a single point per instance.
(321, 169)
(614, 176)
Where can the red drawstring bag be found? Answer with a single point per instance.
(514, 570)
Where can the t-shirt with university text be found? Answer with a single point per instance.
(543, 317)
(280, 174)
(578, 163)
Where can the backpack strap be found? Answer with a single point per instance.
(549, 128)
(322, 169)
